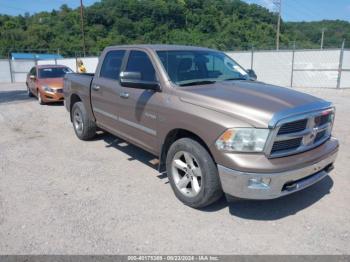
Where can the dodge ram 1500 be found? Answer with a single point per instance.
(214, 128)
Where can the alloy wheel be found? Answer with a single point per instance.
(39, 98)
(186, 173)
(78, 121)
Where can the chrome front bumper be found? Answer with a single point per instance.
(273, 185)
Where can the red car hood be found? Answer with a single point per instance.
(52, 82)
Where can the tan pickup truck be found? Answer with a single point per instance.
(214, 127)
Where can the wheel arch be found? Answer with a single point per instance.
(174, 135)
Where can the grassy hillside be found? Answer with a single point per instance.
(222, 24)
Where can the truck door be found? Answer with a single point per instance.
(105, 90)
(138, 114)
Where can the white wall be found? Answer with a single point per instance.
(273, 67)
(20, 68)
(346, 60)
(90, 64)
(5, 74)
(312, 68)
(308, 66)
(243, 58)
(345, 80)
(46, 62)
(317, 59)
(345, 76)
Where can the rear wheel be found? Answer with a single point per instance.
(84, 127)
(192, 173)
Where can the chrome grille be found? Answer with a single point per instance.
(286, 144)
(300, 134)
(320, 135)
(321, 120)
(292, 127)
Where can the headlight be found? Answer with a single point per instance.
(243, 140)
(49, 89)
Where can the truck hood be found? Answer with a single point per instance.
(253, 102)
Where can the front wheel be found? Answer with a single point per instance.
(192, 173)
(84, 127)
(40, 99)
(29, 92)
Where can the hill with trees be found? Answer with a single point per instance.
(221, 24)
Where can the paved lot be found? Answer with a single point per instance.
(59, 195)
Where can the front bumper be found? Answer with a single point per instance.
(52, 96)
(254, 186)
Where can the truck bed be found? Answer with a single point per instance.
(79, 84)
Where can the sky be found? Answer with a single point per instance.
(292, 10)
(16, 7)
(310, 10)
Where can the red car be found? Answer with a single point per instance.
(46, 82)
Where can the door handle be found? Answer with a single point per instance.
(96, 87)
(124, 95)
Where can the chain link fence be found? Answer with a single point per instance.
(16, 70)
(328, 68)
(299, 68)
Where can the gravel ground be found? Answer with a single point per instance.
(59, 195)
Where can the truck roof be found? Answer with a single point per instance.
(162, 47)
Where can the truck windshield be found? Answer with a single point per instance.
(54, 72)
(191, 67)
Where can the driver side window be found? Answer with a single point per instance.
(111, 65)
(139, 62)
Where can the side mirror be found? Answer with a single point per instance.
(252, 74)
(32, 77)
(133, 80)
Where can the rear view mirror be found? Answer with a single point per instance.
(133, 80)
(32, 77)
(252, 74)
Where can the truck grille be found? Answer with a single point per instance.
(298, 135)
(292, 127)
(286, 144)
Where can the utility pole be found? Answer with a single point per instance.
(278, 6)
(82, 25)
(340, 67)
(322, 38)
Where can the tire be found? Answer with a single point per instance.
(40, 100)
(188, 166)
(84, 127)
(30, 94)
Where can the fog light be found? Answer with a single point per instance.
(259, 182)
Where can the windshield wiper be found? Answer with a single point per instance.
(201, 82)
(235, 78)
